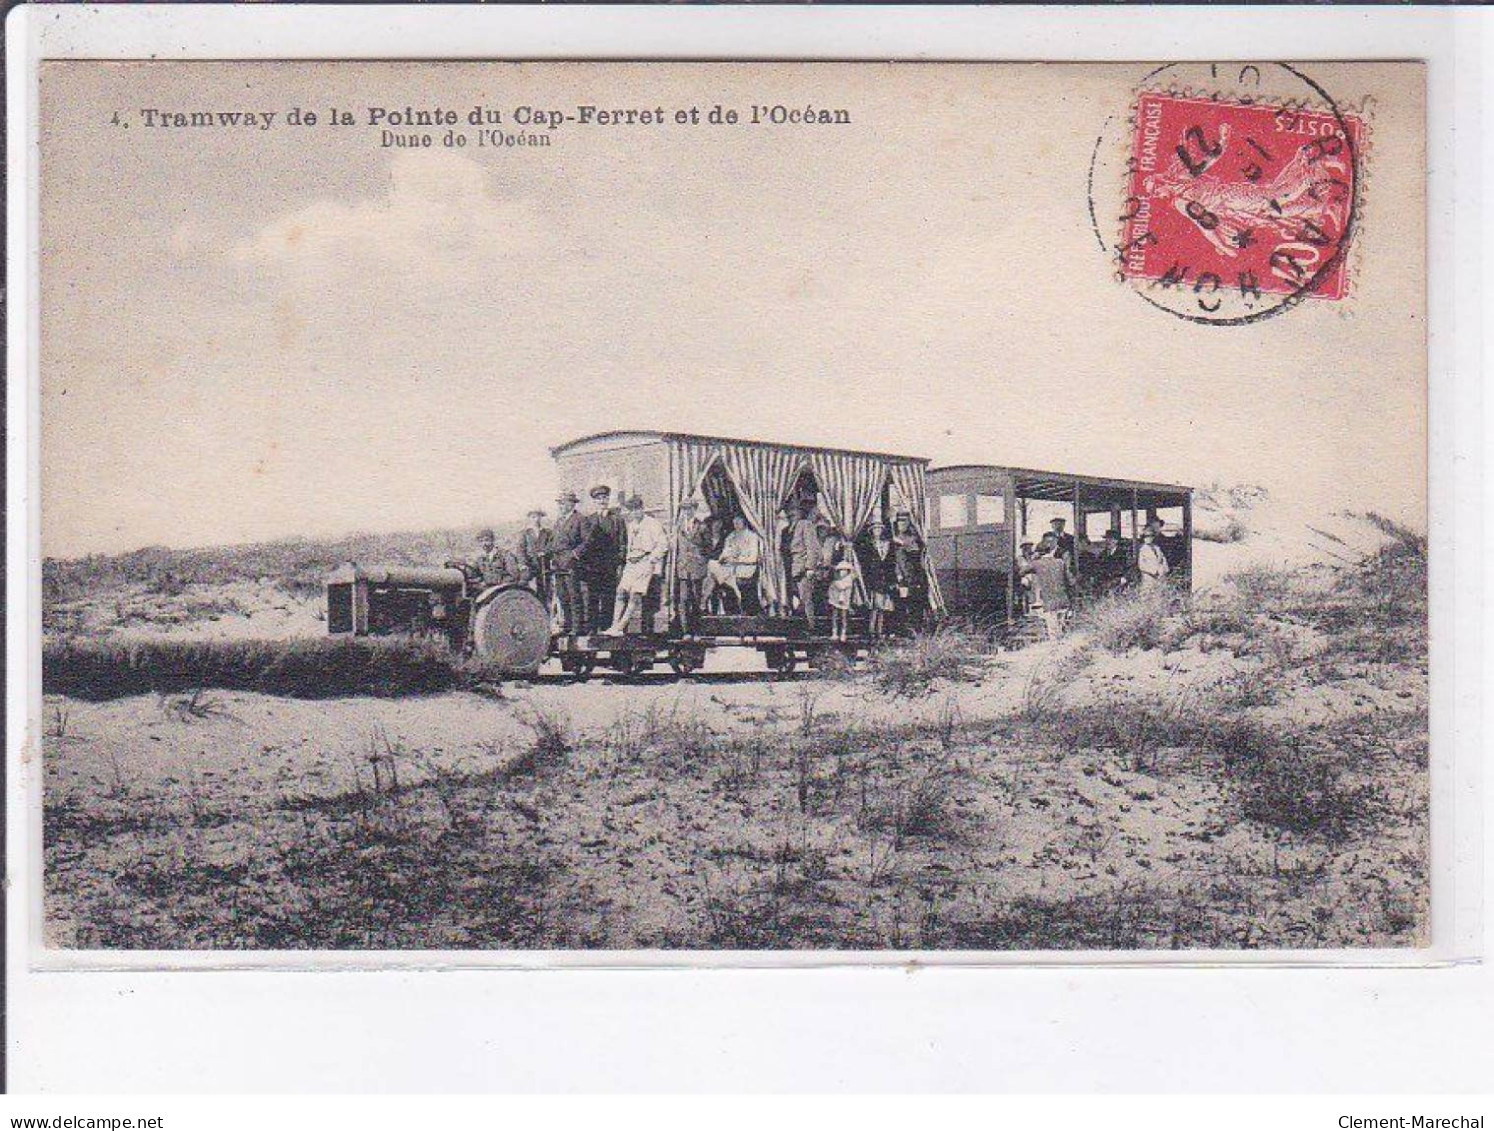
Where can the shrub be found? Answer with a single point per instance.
(1404, 539)
(1042, 691)
(1232, 531)
(319, 668)
(1290, 780)
(1264, 588)
(554, 739)
(1131, 917)
(910, 668)
(1119, 622)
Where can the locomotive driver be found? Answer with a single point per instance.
(494, 564)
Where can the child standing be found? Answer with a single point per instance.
(841, 591)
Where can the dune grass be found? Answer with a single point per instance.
(319, 668)
(909, 668)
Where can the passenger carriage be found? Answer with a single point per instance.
(754, 479)
(980, 514)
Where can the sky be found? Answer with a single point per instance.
(250, 334)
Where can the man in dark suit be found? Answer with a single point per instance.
(566, 543)
(1065, 541)
(805, 552)
(601, 558)
(692, 551)
(534, 554)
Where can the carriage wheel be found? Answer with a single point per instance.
(686, 661)
(578, 666)
(780, 660)
(625, 663)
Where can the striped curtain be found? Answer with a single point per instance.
(763, 478)
(689, 460)
(850, 488)
(908, 479)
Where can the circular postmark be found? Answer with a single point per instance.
(1229, 192)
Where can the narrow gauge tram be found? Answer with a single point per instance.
(746, 485)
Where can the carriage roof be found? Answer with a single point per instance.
(600, 441)
(1058, 486)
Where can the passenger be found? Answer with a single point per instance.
(1025, 598)
(911, 592)
(647, 544)
(1151, 562)
(786, 520)
(534, 554)
(566, 543)
(741, 554)
(1065, 541)
(601, 558)
(804, 561)
(692, 539)
(1112, 564)
(832, 553)
(1053, 575)
(842, 592)
(1171, 547)
(878, 574)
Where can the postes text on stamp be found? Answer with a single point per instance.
(1233, 201)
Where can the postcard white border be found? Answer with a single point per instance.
(47, 987)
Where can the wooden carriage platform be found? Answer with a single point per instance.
(785, 643)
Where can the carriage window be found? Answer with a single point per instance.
(952, 511)
(990, 510)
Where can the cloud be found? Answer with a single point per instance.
(438, 204)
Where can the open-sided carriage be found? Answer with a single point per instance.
(980, 516)
(762, 483)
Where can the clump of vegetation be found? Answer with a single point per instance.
(1290, 780)
(1121, 622)
(1231, 531)
(314, 668)
(1049, 678)
(1262, 588)
(1132, 917)
(554, 739)
(910, 668)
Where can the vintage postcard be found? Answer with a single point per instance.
(951, 508)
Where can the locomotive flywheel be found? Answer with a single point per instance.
(511, 629)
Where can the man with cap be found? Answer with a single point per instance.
(692, 551)
(566, 542)
(494, 564)
(1112, 563)
(1065, 541)
(1053, 579)
(601, 558)
(534, 554)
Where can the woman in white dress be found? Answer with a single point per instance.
(740, 556)
(647, 546)
(1151, 563)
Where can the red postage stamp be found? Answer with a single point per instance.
(1233, 200)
